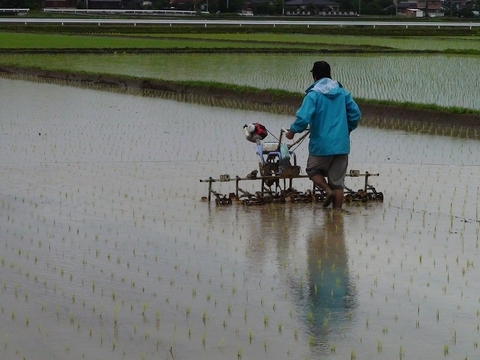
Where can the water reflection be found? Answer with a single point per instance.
(271, 234)
(330, 296)
(307, 246)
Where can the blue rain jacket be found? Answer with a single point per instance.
(331, 113)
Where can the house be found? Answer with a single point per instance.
(60, 4)
(94, 4)
(418, 8)
(450, 5)
(113, 4)
(415, 13)
(306, 7)
(429, 7)
(401, 8)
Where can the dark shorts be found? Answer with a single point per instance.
(333, 167)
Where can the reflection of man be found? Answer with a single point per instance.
(332, 114)
(310, 251)
(331, 295)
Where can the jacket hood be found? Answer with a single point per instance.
(325, 86)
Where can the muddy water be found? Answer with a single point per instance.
(107, 251)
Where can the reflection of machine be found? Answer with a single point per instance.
(277, 169)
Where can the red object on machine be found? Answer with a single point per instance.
(260, 130)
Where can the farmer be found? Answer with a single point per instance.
(331, 113)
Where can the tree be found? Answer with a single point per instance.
(260, 8)
(30, 4)
(161, 4)
(312, 9)
(465, 13)
(268, 8)
(189, 5)
(230, 6)
(371, 7)
(347, 5)
(213, 6)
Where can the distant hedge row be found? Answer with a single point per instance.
(187, 29)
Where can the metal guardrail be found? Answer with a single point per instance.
(246, 22)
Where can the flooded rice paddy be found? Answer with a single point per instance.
(107, 251)
(425, 79)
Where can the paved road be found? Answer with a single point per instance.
(205, 23)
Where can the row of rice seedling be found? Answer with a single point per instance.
(404, 43)
(59, 41)
(417, 79)
(154, 39)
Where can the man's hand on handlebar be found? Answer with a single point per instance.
(289, 135)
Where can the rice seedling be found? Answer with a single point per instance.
(353, 355)
(379, 346)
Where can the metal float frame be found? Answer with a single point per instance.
(367, 193)
(272, 162)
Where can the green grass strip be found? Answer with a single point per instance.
(51, 41)
(374, 43)
(205, 42)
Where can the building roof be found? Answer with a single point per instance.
(406, 5)
(313, 2)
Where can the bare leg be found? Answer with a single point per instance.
(319, 180)
(338, 201)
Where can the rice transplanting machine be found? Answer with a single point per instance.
(277, 167)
